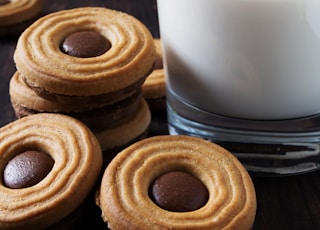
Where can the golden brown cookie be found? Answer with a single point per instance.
(154, 87)
(25, 102)
(48, 69)
(23, 95)
(73, 158)
(15, 16)
(126, 196)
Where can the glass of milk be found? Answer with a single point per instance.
(246, 75)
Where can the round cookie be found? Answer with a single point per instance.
(15, 16)
(48, 70)
(73, 158)
(26, 102)
(126, 194)
(22, 95)
(154, 87)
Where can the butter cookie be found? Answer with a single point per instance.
(50, 163)
(125, 60)
(176, 182)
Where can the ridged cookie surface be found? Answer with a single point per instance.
(39, 58)
(124, 194)
(77, 163)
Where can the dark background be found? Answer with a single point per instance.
(291, 202)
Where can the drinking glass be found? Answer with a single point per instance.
(246, 74)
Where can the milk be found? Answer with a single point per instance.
(253, 59)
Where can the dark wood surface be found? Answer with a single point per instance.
(291, 202)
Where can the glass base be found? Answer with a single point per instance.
(266, 148)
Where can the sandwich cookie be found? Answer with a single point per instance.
(26, 102)
(115, 126)
(50, 66)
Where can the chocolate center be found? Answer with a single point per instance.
(178, 191)
(85, 44)
(27, 169)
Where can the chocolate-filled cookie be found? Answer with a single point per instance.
(176, 182)
(90, 63)
(51, 66)
(26, 102)
(49, 165)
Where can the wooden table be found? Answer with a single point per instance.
(291, 202)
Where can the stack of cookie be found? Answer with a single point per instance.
(89, 63)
